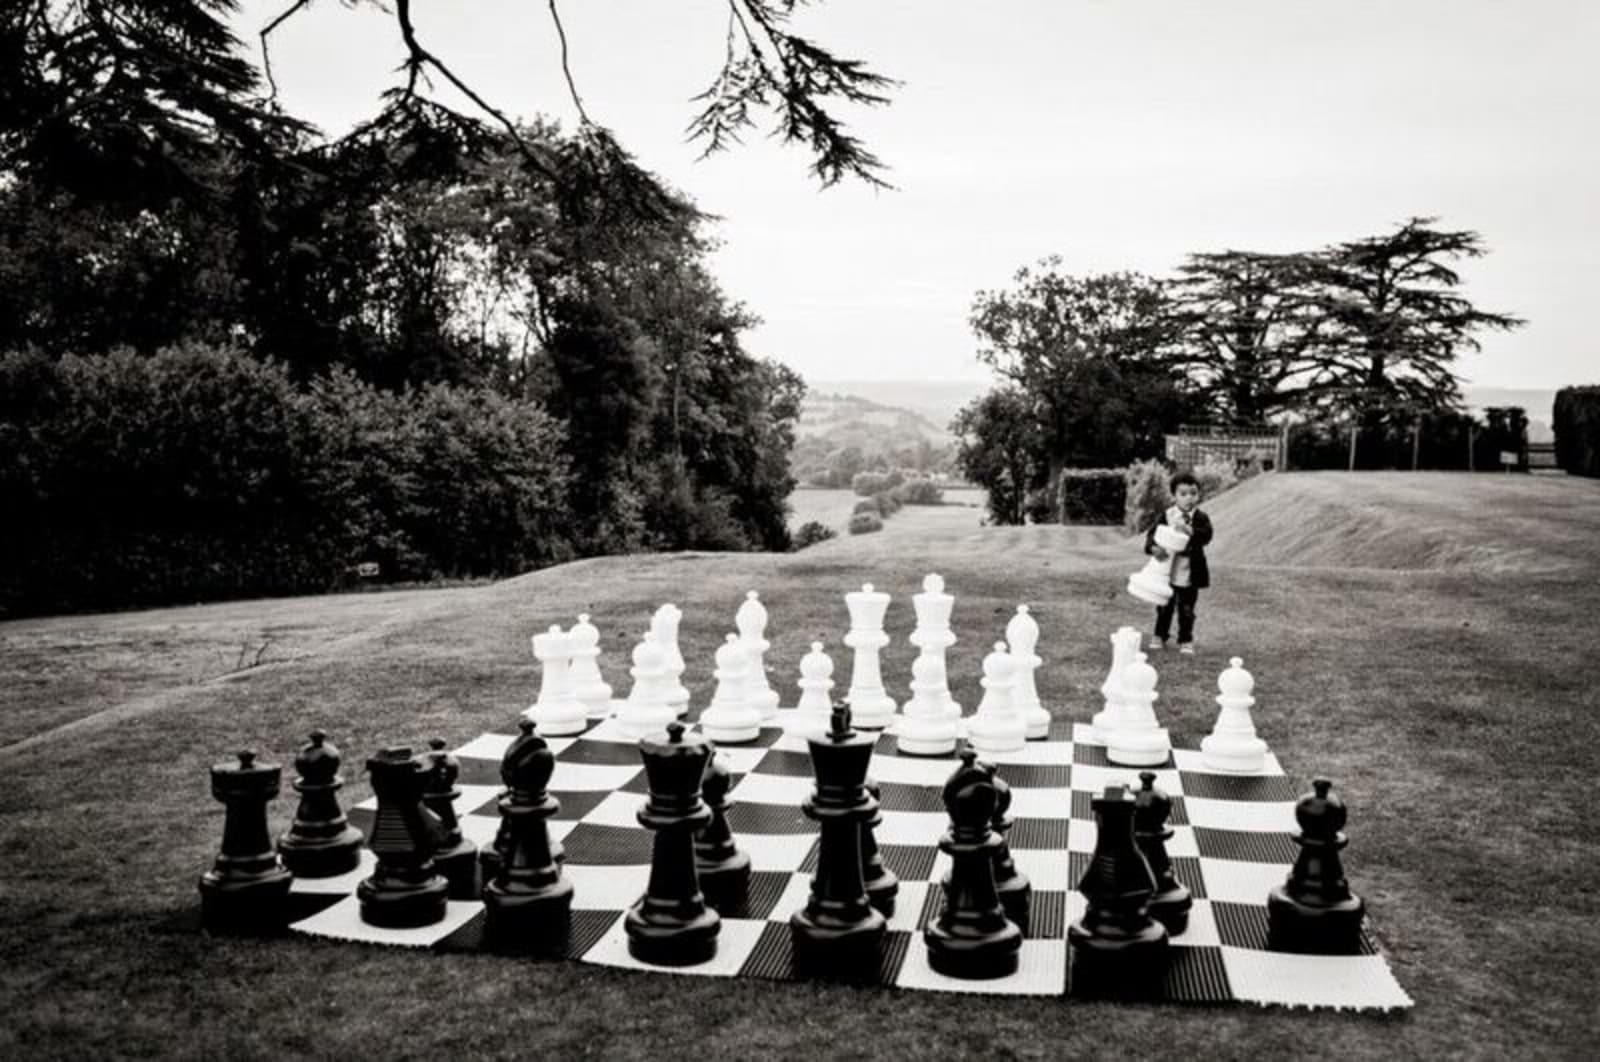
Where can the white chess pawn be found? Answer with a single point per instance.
(1139, 740)
(664, 625)
(557, 712)
(1022, 637)
(1233, 744)
(1124, 647)
(933, 635)
(588, 685)
(925, 729)
(647, 711)
(996, 725)
(814, 712)
(1153, 582)
(731, 719)
(870, 707)
(751, 619)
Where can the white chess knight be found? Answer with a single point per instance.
(1124, 649)
(870, 707)
(751, 619)
(731, 719)
(1153, 582)
(933, 636)
(664, 625)
(996, 725)
(925, 728)
(1022, 637)
(647, 711)
(588, 685)
(1139, 739)
(557, 712)
(1233, 744)
(814, 713)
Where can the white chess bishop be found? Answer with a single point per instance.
(925, 728)
(731, 719)
(664, 625)
(1124, 648)
(814, 713)
(751, 619)
(996, 725)
(647, 711)
(1022, 637)
(1233, 744)
(1139, 739)
(1153, 582)
(557, 712)
(933, 636)
(588, 685)
(870, 707)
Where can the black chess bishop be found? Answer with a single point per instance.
(527, 904)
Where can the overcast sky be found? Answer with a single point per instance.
(1118, 135)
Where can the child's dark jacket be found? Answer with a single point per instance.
(1199, 570)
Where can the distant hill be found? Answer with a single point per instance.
(936, 401)
(833, 423)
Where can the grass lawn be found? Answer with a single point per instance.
(1452, 700)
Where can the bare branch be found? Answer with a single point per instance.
(572, 88)
(266, 51)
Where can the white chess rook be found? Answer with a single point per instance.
(664, 625)
(751, 619)
(731, 719)
(925, 728)
(933, 635)
(814, 713)
(870, 707)
(1022, 637)
(647, 711)
(557, 712)
(996, 725)
(1153, 582)
(1124, 648)
(1139, 739)
(1233, 744)
(588, 685)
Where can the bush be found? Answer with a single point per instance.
(811, 532)
(919, 492)
(888, 504)
(865, 523)
(867, 484)
(1092, 496)
(1147, 495)
(1577, 429)
(866, 505)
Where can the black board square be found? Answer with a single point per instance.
(1047, 916)
(574, 805)
(1083, 805)
(1244, 925)
(361, 819)
(1237, 786)
(468, 936)
(639, 783)
(608, 846)
(1180, 814)
(1060, 730)
(584, 930)
(766, 889)
(1077, 866)
(1036, 775)
(910, 862)
(305, 904)
(1090, 755)
(1047, 834)
(475, 771)
(1187, 870)
(902, 796)
(1196, 975)
(932, 904)
(1246, 845)
(603, 753)
(773, 957)
(785, 764)
(769, 818)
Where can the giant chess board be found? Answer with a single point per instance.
(1233, 843)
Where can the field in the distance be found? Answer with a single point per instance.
(1449, 693)
(832, 508)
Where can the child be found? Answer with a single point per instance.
(1190, 573)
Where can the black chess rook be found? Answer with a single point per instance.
(457, 857)
(1171, 903)
(405, 890)
(1314, 911)
(1118, 950)
(527, 904)
(320, 843)
(671, 924)
(724, 870)
(972, 936)
(246, 891)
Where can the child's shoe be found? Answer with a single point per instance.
(1157, 644)
(1186, 648)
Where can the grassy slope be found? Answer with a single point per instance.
(1453, 707)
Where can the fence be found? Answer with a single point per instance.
(1196, 442)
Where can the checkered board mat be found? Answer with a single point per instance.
(1232, 844)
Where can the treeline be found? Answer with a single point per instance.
(1355, 339)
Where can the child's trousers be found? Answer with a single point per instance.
(1183, 601)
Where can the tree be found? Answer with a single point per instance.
(1096, 354)
(1001, 447)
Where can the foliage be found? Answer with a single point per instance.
(919, 491)
(867, 484)
(866, 505)
(887, 503)
(1092, 495)
(1444, 440)
(1577, 429)
(865, 523)
(811, 532)
(1147, 494)
(1002, 449)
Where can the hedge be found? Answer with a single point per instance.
(865, 523)
(1092, 495)
(1577, 430)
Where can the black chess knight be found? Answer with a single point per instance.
(247, 888)
(405, 890)
(1118, 950)
(1314, 910)
(972, 937)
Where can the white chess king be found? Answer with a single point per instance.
(1233, 744)
(1153, 582)
(870, 707)
(933, 636)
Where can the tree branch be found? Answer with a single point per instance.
(266, 51)
(572, 88)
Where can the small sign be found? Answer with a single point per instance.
(367, 569)
(1508, 457)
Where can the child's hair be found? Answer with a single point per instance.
(1180, 478)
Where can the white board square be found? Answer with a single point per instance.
(1047, 870)
(1257, 816)
(343, 921)
(1044, 753)
(796, 894)
(1358, 981)
(596, 888)
(592, 777)
(912, 770)
(617, 809)
(1240, 882)
(777, 851)
(341, 883)
(1043, 802)
(1202, 929)
(487, 746)
(1093, 780)
(1041, 971)
(736, 940)
(758, 788)
(908, 904)
(912, 827)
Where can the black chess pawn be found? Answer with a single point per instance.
(1016, 891)
(1171, 903)
(671, 925)
(457, 857)
(528, 904)
(247, 888)
(723, 869)
(881, 883)
(1314, 910)
(405, 889)
(1118, 950)
(320, 843)
(839, 932)
(972, 936)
